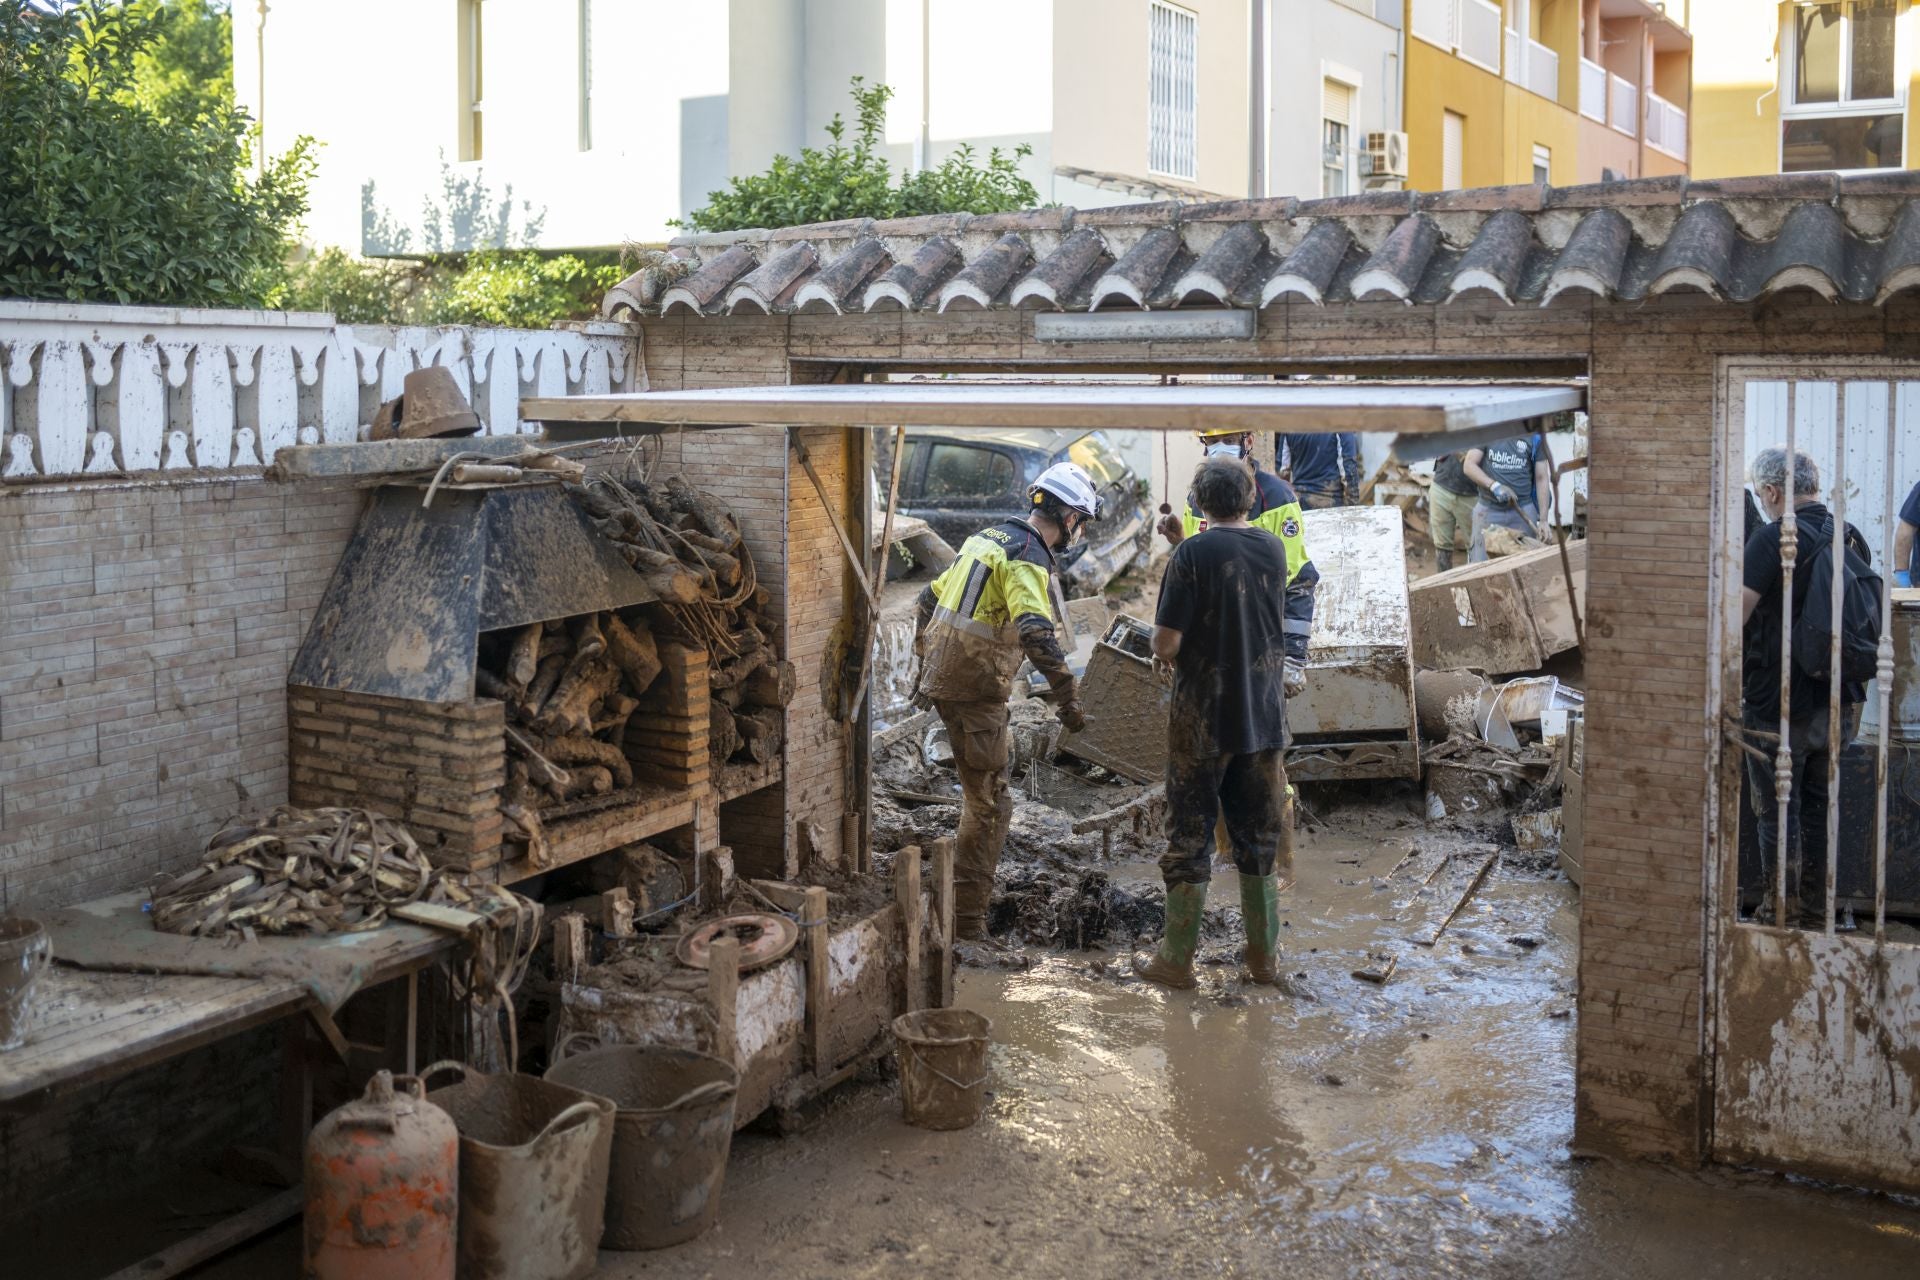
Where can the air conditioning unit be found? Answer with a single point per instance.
(1387, 155)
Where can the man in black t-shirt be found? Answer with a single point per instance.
(1220, 630)
(1807, 709)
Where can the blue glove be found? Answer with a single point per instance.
(1903, 578)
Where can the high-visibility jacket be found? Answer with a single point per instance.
(1277, 510)
(996, 604)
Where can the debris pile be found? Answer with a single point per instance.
(296, 870)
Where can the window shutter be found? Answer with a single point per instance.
(1336, 102)
(1453, 151)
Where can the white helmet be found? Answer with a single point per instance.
(1067, 484)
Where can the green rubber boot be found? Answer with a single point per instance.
(1172, 964)
(1260, 908)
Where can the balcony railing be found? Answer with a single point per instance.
(1542, 71)
(1666, 127)
(1480, 33)
(1593, 91)
(1624, 107)
(1515, 59)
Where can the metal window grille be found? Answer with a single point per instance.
(1173, 97)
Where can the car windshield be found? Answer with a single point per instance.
(966, 471)
(1093, 452)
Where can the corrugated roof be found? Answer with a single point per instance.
(1855, 239)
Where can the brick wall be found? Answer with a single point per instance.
(145, 635)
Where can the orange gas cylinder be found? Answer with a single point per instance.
(383, 1187)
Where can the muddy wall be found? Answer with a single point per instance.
(1644, 1070)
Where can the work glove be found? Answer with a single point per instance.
(1293, 679)
(1501, 494)
(1903, 578)
(1072, 717)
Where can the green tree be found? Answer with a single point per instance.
(855, 181)
(103, 197)
(186, 71)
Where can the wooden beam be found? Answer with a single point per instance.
(723, 993)
(215, 1240)
(813, 927)
(943, 917)
(906, 892)
(854, 561)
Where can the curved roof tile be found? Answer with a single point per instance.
(1856, 240)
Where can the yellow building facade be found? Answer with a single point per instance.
(1804, 87)
(1561, 91)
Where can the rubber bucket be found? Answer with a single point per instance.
(672, 1129)
(943, 1066)
(533, 1174)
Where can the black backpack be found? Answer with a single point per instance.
(1859, 617)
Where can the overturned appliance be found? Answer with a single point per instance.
(385, 709)
(1356, 718)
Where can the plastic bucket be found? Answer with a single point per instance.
(943, 1066)
(533, 1174)
(672, 1129)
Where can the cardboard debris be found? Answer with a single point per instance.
(1501, 616)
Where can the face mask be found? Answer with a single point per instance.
(1222, 449)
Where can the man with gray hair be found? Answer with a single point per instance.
(1807, 710)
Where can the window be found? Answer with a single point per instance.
(1096, 457)
(471, 47)
(963, 471)
(1173, 38)
(1844, 105)
(1336, 133)
(1453, 151)
(1542, 164)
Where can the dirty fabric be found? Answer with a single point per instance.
(1451, 521)
(996, 596)
(1248, 792)
(1806, 799)
(114, 934)
(1224, 592)
(978, 732)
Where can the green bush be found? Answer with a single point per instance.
(103, 197)
(841, 181)
(513, 288)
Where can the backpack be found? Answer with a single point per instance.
(1859, 618)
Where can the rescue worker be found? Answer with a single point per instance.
(1450, 500)
(1514, 476)
(1219, 623)
(1277, 510)
(1322, 466)
(994, 606)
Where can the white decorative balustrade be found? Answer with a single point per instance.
(1543, 71)
(91, 389)
(1666, 126)
(1480, 33)
(1593, 91)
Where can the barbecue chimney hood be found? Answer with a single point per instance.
(417, 585)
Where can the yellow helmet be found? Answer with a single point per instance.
(1219, 433)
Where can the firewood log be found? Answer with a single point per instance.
(741, 667)
(581, 750)
(523, 659)
(595, 504)
(633, 650)
(552, 642)
(760, 733)
(769, 685)
(593, 779)
(724, 568)
(539, 768)
(570, 707)
(611, 722)
(710, 514)
(552, 667)
(675, 586)
(723, 736)
(588, 642)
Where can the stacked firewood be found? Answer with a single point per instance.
(569, 686)
(686, 544)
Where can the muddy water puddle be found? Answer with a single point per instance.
(1333, 1128)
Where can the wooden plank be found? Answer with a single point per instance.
(723, 993)
(906, 893)
(943, 915)
(386, 457)
(813, 925)
(185, 1254)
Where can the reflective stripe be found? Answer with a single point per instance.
(1296, 627)
(977, 576)
(972, 626)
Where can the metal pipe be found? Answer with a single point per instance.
(1257, 98)
(1783, 755)
(1883, 680)
(1836, 601)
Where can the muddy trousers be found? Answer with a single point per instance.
(1248, 793)
(1450, 522)
(1806, 806)
(977, 732)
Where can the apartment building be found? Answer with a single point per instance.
(1801, 87)
(1560, 91)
